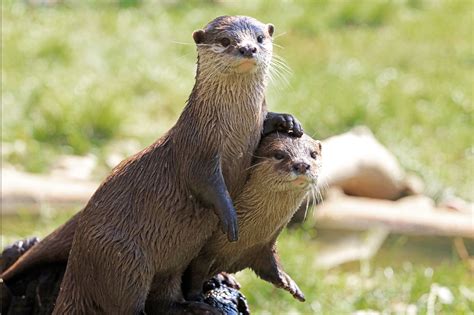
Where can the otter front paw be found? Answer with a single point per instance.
(282, 122)
(289, 285)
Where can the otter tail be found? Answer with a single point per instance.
(53, 248)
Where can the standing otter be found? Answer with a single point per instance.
(284, 172)
(150, 217)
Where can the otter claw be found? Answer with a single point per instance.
(290, 285)
(229, 227)
(297, 129)
(282, 122)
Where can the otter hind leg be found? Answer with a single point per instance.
(104, 275)
(97, 297)
(194, 277)
(166, 297)
(165, 291)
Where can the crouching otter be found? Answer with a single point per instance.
(285, 170)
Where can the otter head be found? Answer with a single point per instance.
(234, 44)
(288, 163)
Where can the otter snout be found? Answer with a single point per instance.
(248, 50)
(301, 168)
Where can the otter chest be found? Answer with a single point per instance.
(240, 139)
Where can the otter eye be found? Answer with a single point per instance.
(314, 154)
(224, 41)
(279, 156)
(260, 38)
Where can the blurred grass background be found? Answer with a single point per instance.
(111, 76)
(85, 76)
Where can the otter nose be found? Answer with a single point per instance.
(301, 168)
(248, 51)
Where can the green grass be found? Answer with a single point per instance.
(85, 76)
(388, 287)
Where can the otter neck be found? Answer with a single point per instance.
(229, 109)
(276, 204)
(238, 93)
(265, 211)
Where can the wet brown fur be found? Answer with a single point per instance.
(144, 224)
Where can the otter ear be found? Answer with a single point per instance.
(319, 145)
(271, 29)
(198, 36)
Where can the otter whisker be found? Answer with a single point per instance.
(277, 77)
(279, 35)
(278, 60)
(276, 67)
(311, 199)
(307, 206)
(182, 43)
(255, 165)
(320, 198)
(322, 188)
(279, 46)
(281, 61)
(184, 56)
(277, 70)
(261, 157)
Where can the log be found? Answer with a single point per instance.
(414, 215)
(361, 166)
(30, 191)
(352, 248)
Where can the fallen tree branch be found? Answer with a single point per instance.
(30, 191)
(352, 248)
(415, 215)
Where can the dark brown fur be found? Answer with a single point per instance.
(270, 198)
(151, 216)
